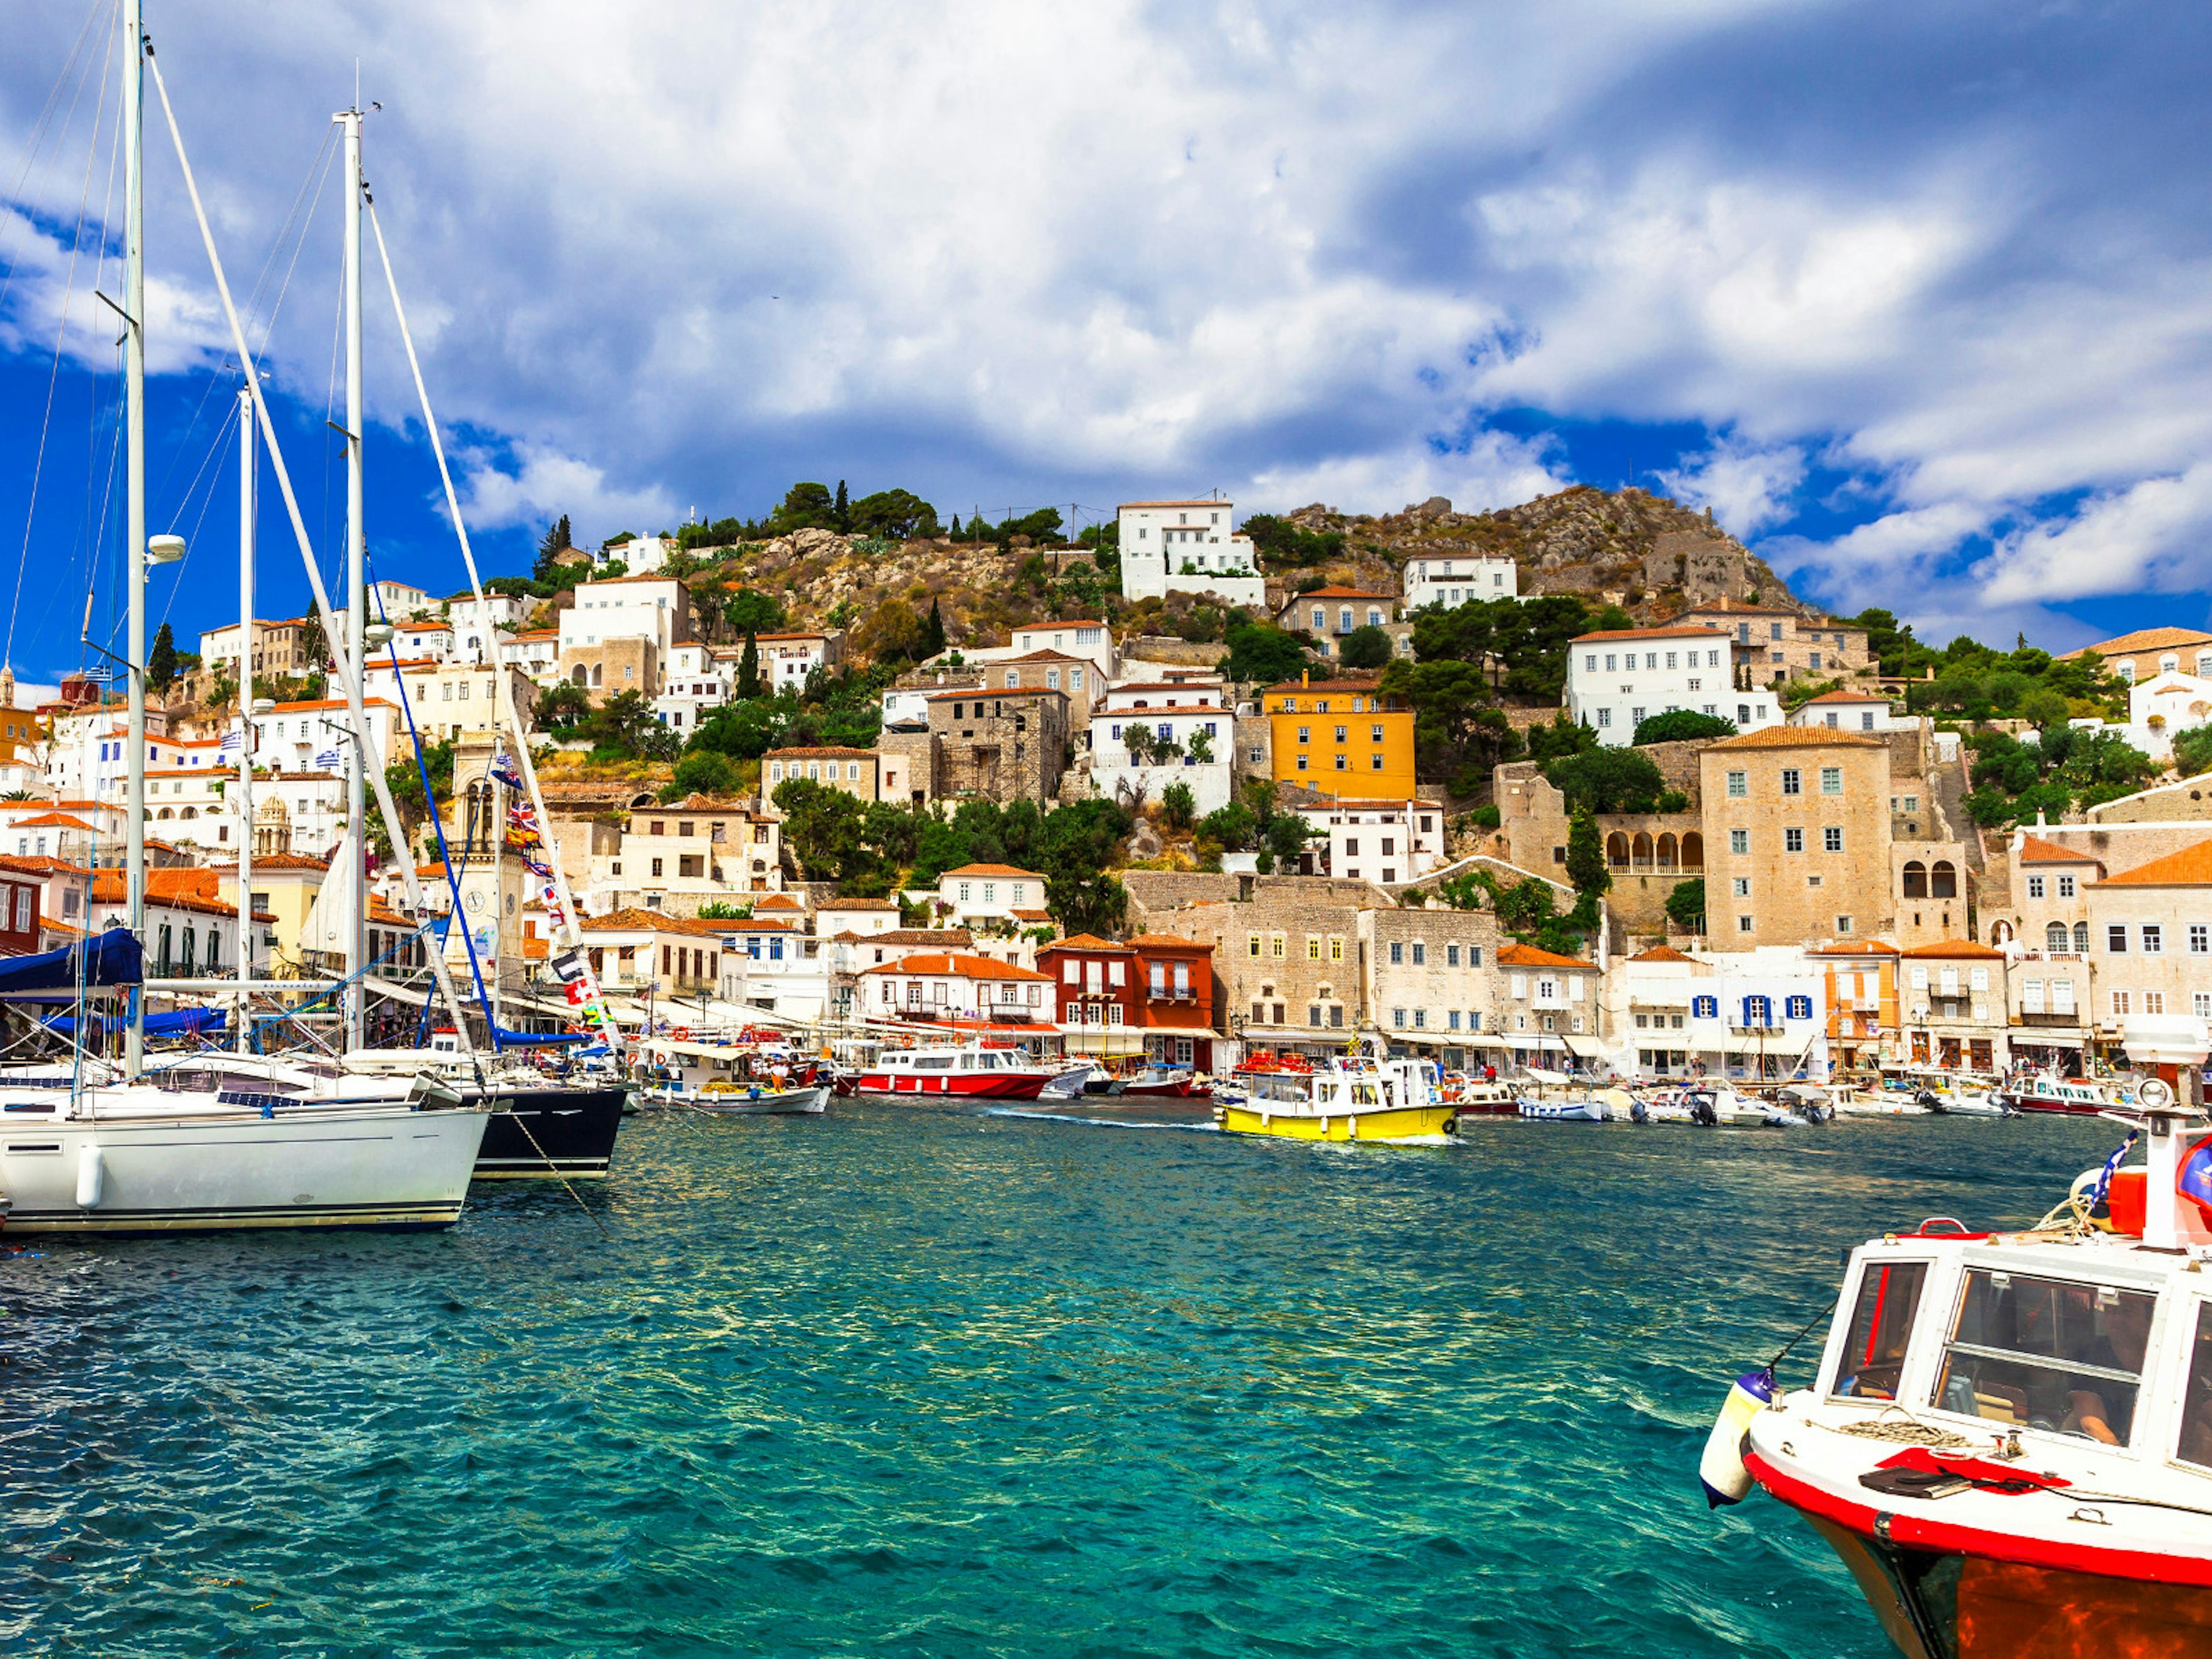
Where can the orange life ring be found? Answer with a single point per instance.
(681, 1034)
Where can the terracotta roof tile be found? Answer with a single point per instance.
(1662, 953)
(1794, 737)
(1956, 947)
(1527, 956)
(2190, 867)
(962, 966)
(2144, 639)
(1672, 632)
(2035, 849)
(994, 870)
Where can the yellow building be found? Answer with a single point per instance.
(19, 727)
(1341, 737)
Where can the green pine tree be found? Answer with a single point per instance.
(555, 541)
(749, 684)
(161, 662)
(843, 510)
(932, 632)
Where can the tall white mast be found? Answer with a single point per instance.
(134, 474)
(245, 705)
(356, 752)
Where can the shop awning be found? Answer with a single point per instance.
(1588, 1047)
(2044, 1040)
(1548, 1045)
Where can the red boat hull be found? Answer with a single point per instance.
(1181, 1089)
(977, 1085)
(2057, 1107)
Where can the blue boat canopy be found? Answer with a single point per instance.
(181, 1022)
(114, 957)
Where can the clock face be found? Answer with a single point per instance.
(474, 902)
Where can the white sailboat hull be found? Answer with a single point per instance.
(374, 1166)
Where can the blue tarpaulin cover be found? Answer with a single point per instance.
(182, 1022)
(114, 958)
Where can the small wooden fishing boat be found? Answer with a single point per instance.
(731, 1100)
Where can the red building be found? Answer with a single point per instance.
(1153, 996)
(19, 915)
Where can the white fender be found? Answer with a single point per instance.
(91, 1176)
(1721, 1470)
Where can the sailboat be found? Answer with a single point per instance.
(118, 1151)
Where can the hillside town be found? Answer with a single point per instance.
(1718, 834)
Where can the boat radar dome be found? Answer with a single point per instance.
(164, 550)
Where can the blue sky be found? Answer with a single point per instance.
(1914, 297)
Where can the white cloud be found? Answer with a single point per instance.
(2153, 535)
(685, 252)
(1495, 471)
(1748, 486)
(547, 485)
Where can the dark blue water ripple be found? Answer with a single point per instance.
(919, 1383)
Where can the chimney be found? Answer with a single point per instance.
(1306, 677)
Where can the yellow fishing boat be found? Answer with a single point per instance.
(1359, 1098)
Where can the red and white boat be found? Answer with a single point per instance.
(974, 1070)
(2009, 1438)
(2083, 1097)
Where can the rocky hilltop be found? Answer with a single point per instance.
(1647, 553)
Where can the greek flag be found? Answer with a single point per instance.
(233, 741)
(98, 674)
(504, 770)
(2104, 1186)
(330, 760)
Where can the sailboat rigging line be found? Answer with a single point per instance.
(46, 116)
(336, 638)
(61, 337)
(317, 175)
(445, 855)
(527, 767)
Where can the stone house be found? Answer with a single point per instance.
(1285, 959)
(1808, 837)
(1772, 645)
(1003, 745)
(2149, 652)
(855, 771)
(675, 858)
(2150, 937)
(1431, 980)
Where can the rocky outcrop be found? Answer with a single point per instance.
(1648, 553)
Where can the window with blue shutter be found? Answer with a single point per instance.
(1754, 1010)
(1705, 1008)
(1801, 1007)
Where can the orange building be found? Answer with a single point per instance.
(1863, 1030)
(1341, 737)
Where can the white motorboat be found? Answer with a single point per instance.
(2008, 1436)
(2077, 1096)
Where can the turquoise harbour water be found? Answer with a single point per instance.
(908, 1382)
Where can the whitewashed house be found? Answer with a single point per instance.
(1454, 579)
(1617, 678)
(1193, 717)
(1188, 547)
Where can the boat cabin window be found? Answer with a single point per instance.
(2196, 1404)
(2047, 1353)
(932, 1062)
(1881, 1324)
